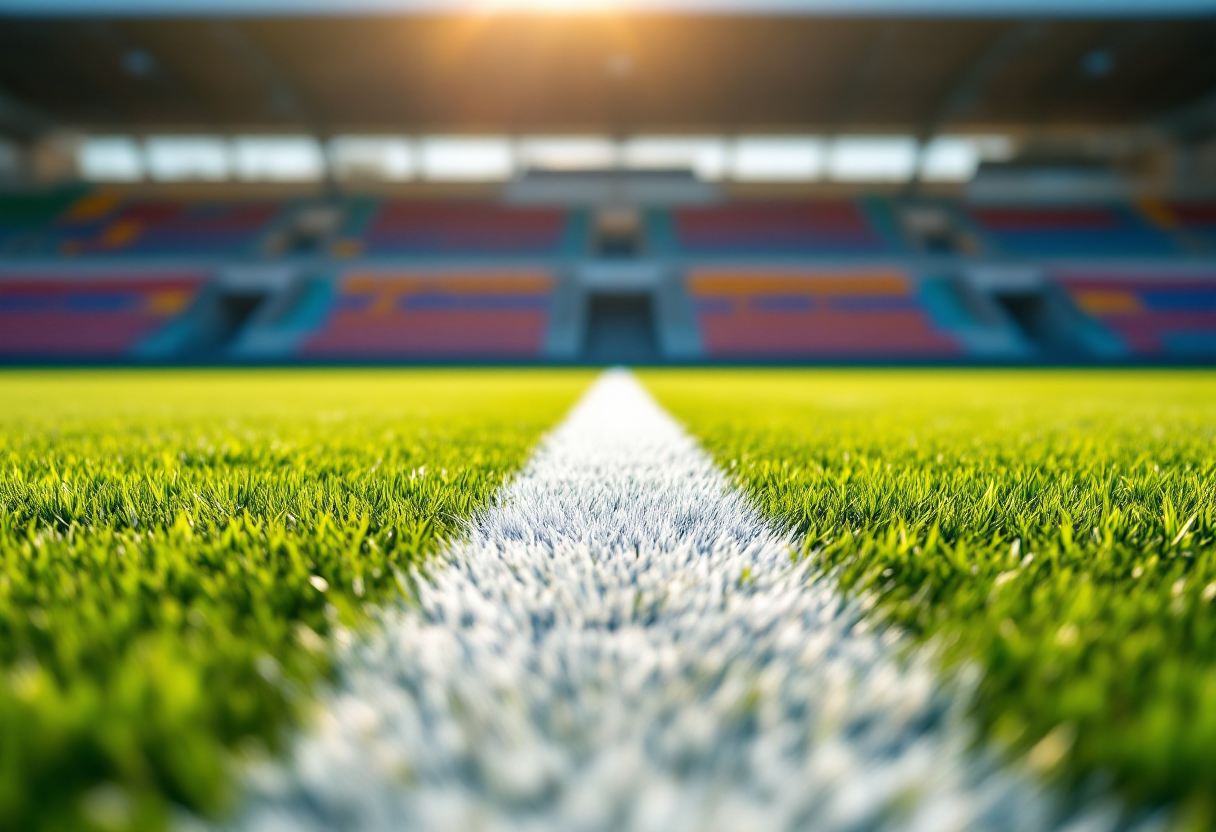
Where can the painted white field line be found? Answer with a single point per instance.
(623, 644)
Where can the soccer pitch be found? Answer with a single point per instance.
(1057, 530)
(178, 550)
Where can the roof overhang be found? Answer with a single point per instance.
(607, 73)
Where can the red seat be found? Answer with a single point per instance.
(456, 228)
(830, 226)
(69, 317)
(814, 314)
(483, 315)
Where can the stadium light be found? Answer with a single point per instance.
(390, 158)
(467, 158)
(704, 155)
(186, 158)
(110, 159)
(278, 158)
(872, 159)
(956, 158)
(777, 159)
(567, 152)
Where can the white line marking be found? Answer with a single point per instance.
(623, 644)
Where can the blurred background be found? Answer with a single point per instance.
(433, 181)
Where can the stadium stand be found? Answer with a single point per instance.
(1045, 231)
(438, 228)
(481, 315)
(102, 224)
(762, 280)
(932, 176)
(64, 316)
(25, 217)
(1154, 315)
(831, 227)
(809, 314)
(358, 216)
(1195, 220)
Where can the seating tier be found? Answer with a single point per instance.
(69, 317)
(814, 314)
(1071, 231)
(1197, 220)
(420, 228)
(1154, 315)
(824, 227)
(163, 227)
(483, 315)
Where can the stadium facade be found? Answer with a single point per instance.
(674, 187)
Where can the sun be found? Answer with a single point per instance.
(551, 6)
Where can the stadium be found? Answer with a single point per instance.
(607, 415)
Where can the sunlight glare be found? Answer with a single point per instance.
(551, 6)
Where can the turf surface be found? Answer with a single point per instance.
(622, 643)
(175, 549)
(1056, 529)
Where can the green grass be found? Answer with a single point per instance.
(175, 548)
(1055, 529)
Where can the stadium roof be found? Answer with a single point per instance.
(516, 73)
(1055, 8)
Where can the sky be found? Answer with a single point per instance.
(1018, 8)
